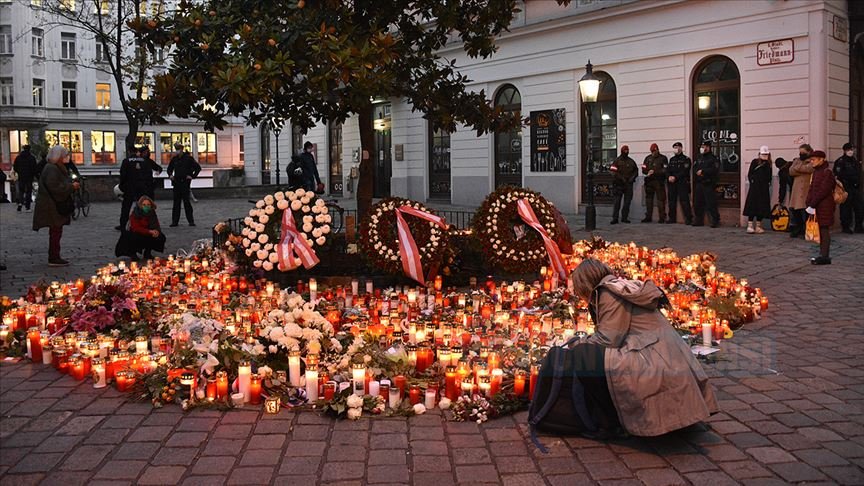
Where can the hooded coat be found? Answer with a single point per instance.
(654, 380)
(820, 195)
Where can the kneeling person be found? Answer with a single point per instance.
(143, 232)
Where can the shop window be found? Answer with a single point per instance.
(17, 139)
(71, 139)
(508, 145)
(206, 148)
(146, 139)
(603, 136)
(167, 141)
(103, 146)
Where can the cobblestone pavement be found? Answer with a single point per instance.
(791, 390)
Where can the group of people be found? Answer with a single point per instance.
(662, 174)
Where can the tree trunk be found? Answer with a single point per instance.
(365, 184)
(133, 132)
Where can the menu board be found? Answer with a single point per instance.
(548, 141)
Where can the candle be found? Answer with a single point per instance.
(707, 333)
(355, 287)
(34, 344)
(312, 383)
(467, 388)
(519, 383)
(414, 395)
(374, 388)
(384, 390)
(358, 372)
(497, 380)
(211, 389)
(77, 367)
(394, 398)
(237, 399)
(121, 381)
(329, 390)
(313, 289)
(369, 287)
(431, 395)
(486, 386)
(444, 355)
(400, 381)
(450, 389)
(532, 381)
(98, 372)
(294, 367)
(221, 385)
(244, 379)
(140, 344)
(255, 389)
(188, 379)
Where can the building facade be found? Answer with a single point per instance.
(55, 85)
(740, 73)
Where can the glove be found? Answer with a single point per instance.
(811, 210)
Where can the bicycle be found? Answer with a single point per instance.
(80, 198)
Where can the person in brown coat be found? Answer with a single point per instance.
(656, 384)
(800, 171)
(820, 201)
(55, 189)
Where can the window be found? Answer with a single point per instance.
(242, 149)
(159, 56)
(37, 46)
(17, 139)
(206, 148)
(167, 141)
(38, 92)
(264, 137)
(102, 145)
(36, 3)
(334, 143)
(717, 113)
(145, 92)
(296, 139)
(5, 39)
(439, 164)
(71, 139)
(6, 87)
(103, 96)
(508, 145)
(146, 139)
(70, 98)
(67, 46)
(67, 5)
(604, 139)
(101, 52)
(104, 7)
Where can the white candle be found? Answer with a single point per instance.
(98, 373)
(707, 333)
(46, 356)
(29, 351)
(369, 287)
(294, 368)
(313, 289)
(394, 398)
(358, 373)
(244, 373)
(312, 384)
(238, 399)
(349, 300)
(430, 399)
(140, 345)
(374, 388)
(355, 287)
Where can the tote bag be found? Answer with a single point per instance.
(811, 230)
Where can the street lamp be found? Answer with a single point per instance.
(276, 125)
(589, 87)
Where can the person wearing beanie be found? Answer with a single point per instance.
(654, 169)
(706, 173)
(801, 170)
(679, 184)
(820, 202)
(847, 169)
(758, 204)
(624, 172)
(783, 178)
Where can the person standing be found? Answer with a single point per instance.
(25, 168)
(783, 178)
(150, 182)
(801, 170)
(706, 171)
(820, 202)
(758, 204)
(654, 169)
(182, 169)
(679, 184)
(847, 169)
(136, 180)
(311, 179)
(624, 172)
(52, 201)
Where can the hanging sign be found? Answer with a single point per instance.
(548, 141)
(775, 52)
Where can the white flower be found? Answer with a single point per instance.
(320, 241)
(279, 196)
(255, 246)
(316, 232)
(307, 219)
(267, 266)
(354, 413)
(265, 371)
(313, 347)
(260, 204)
(268, 200)
(283, 204)
(248, 253)
(253, 213)
(273, 258)
(306, 209)
(419, 409)
(320, 203)
(367, 359)
(246, 242)
(325, 229)
(444, 403)
(355, 401)
(307, 227)
(264, 219)
(257, 263)
(296, 205)
(269, 210)
(268, 246)
(262, 254)
(316, 209)
(263, 239)
(300, 192)
(253, 235)
(273, 349)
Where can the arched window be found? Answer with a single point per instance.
(334, 142)
(604, 138)
(508, 145)
(717, 118)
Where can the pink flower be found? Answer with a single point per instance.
(92, 320)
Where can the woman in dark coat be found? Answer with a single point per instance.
(758, 204)
(143, 232)
(55, 187)
(820, 201)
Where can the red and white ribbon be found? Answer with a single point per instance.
(556, 261)
(293, 249)
(408, 251)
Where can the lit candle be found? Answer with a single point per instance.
(313, 289)
(707, 333)
(34, 344)
(467, 388)
(188, 379)
(98, 370)
(255, 389)
(532, 381)
(444, 355)
(431, 395)
(400, 381)
(355, 287)
(77, 367)
(369, 287)
(519, 383)
(497, 380)
(140, 344)
(374, 388)
(414, 395)
(486, 386)
(312, 383)
(244, 379)
(450, 389)
(211, 389)
(294, 367)
(359, 375)
(329, 390)
(394, 397)
(221, 385)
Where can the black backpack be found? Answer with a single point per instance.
(558, 405)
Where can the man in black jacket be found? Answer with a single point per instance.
(311, 179)
(678, 174)
(624, 172)
(706, 173)
(25, 167)
(136, 180)
(182, 169)
(847, 169)
(654, 170)
(150, 182)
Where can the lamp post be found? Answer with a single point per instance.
(589, 87)
(278, 129)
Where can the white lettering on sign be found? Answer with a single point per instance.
(775, 52)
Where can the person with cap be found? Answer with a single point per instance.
(654, 170)
(758, 204)
(182, 169)
(154, 167)
(679, 184)
(706, 173)
(801, 170)
(624, 173)
(847, 169)
(820, 202)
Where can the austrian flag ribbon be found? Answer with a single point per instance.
(556, 261)
(293, 249)
(408, 251)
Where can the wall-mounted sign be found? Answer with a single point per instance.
(841, 29)
(548, 141)
(775, 52)
(400, 151)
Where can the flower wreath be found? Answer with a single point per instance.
(262, 227)
(379, 239)
(506, 240)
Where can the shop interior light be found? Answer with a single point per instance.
(704, 102)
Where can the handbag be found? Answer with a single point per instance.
(811, 229)
(839, 193)
(779, 218)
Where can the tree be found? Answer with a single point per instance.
(324, 60)
(117, 27)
